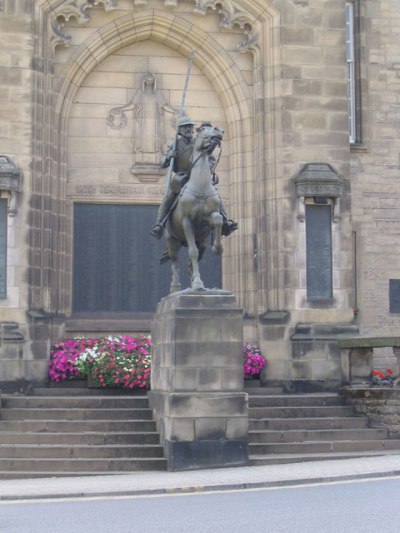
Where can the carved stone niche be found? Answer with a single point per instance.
(320, 182)
(10, 182)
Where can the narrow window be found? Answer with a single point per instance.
(3, 248)
(351, 72)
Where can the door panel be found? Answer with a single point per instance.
(116, 263)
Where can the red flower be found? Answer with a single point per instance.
(390, 371)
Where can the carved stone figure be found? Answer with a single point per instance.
(148, 106)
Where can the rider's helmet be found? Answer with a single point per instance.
(185, 121)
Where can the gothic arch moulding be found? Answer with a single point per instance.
(140, 24)
(175, 33)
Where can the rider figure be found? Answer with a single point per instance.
(182, 167)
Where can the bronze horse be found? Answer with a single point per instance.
(197, 211)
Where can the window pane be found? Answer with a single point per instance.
(351, 82)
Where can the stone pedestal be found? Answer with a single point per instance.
(197, 380)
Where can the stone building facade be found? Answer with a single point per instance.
(89, 94)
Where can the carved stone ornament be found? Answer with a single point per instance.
(230, 15)
(10, 181)
(318, 179)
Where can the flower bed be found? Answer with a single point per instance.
(121, 361)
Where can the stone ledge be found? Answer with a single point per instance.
(369, 342)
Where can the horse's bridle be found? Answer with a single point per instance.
(203, 154)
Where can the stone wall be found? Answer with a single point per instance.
(381, 406)
(375, 168)
(273, 74)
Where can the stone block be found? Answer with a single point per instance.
(210, 428)
(232, 378)
(237, 427)
(185, 379)
(178, 429)
(209, 379)
(208, 353)
(206, 454)
(207, 404)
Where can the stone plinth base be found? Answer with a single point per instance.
(197, 380)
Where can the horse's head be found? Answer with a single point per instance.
(208, 137)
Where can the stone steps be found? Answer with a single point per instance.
(287, 458)
(78, 465)
(74, 402)
(73, 414)
(286, 424)
(300, 412)
(92, 438)
(316, 435)
(69, 426)
(48, 434)
(79, 451)
(305, 427)
(258, 399)
(324, 446)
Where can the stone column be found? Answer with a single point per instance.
(356, 364)
(197, 380)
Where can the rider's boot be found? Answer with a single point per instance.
(163, 214)
(157, 231)
(228, 225)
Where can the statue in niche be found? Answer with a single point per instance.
(150, 111)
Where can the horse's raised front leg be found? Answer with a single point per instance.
(216, 222)
(173, 252)
(196, 282)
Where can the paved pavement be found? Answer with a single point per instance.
(148, 483)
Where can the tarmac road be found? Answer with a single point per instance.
(363, 506)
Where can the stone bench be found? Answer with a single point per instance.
(357, 357)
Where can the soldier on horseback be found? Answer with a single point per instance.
(182, 165)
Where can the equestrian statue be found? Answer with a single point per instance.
(195, 210)
(192, 207)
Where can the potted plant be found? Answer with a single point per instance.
(253, 361)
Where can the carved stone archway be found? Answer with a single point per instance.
(250, 114)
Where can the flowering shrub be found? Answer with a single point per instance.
(125, 363)
(121, 361)
(381, 379)
(253, 360)
(63, 355)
